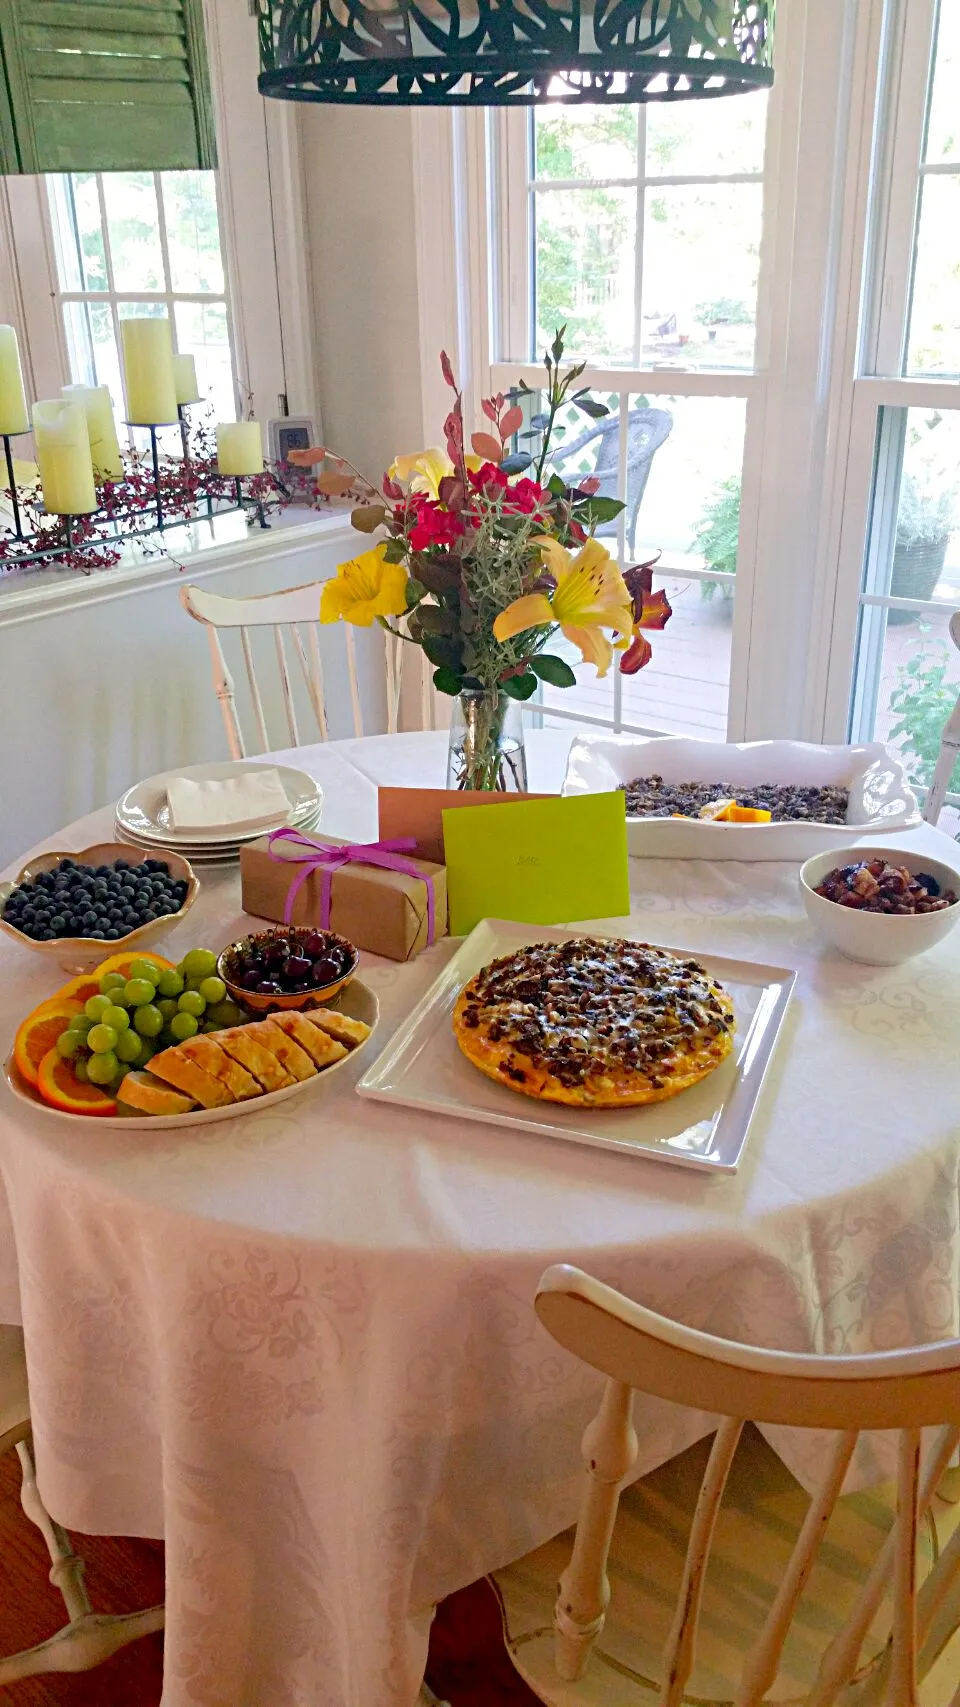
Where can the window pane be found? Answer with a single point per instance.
(585, 142)
(193, 231)
(689, 503)
(934, 344)
(75, 211)
(202, 333)
(134, 225)
(706, 137)
(593, 695)
(93, 348)
(943, 129)
(585, 249)
(685, 687)
(700, 262)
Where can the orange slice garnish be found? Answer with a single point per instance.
(58, 1086)
(123, 962)
(38, 1034)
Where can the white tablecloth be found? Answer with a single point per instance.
(301, 1345)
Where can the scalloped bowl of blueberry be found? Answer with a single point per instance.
(78, 907)
(292, 966)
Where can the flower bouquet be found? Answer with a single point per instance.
(487, 558)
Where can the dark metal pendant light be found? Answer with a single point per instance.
(488, 53)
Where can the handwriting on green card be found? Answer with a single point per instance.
(544, 862)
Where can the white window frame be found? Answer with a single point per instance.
(261, 203)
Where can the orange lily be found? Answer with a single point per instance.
(650, 610)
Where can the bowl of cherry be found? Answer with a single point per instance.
(294, 966)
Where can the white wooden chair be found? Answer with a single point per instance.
(293, 615)
(729, 1602)
(89, 1637)
(949, 747)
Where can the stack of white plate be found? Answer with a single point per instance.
(143, 813)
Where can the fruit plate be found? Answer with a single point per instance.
(145, 813)
(881, 799)
(704, 1127)
(83, 953)
(357, 1000)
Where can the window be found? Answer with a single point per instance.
(140, 243)
(641, 231)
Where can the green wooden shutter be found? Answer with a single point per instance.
(121, 86)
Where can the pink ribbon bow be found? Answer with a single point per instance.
(318, 856)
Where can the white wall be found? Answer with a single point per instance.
(106, 680)
(360, 205)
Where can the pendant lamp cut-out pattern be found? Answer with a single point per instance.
(512, 52)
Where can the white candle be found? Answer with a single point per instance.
(148, 370)
(185, 379)
(63, 454)
(13, 399)
(239, 447)
(95, 401)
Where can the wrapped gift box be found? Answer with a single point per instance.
(382, 911)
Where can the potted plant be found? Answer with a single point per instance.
(923, 698)
(925, 521)
(717, 533)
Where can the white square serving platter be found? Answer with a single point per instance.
(704, 1127)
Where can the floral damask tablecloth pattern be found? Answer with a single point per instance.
(301, 1345)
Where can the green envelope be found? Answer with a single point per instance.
(543, 862)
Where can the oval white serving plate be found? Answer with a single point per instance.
(144, 810)
(881, 799)
(357, 1000)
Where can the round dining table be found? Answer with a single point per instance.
(301, 1346)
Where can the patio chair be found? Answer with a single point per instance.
(729, 1585)
(89, 1637)
(646, 432)
(949, 747)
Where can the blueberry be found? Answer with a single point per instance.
(66, 865)
(112, 935)
(121, 865)
(58, 922)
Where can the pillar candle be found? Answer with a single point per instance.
(185, 379)
(13, 401)
(96, 404)
(239, 447)
(63, 454)
(148, 370)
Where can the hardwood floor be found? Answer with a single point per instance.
(468, 1665)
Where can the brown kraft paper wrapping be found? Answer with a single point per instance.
(384, 912)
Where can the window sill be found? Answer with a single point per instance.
(196, 553)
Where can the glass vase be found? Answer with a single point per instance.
(486, 748)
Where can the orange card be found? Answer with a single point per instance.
(417, 812)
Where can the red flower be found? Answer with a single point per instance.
(487, 475)
(433, 525)
(523, 496)
(650, 610)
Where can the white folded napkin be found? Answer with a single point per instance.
(242, 802)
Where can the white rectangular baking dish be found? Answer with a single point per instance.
(881, 799)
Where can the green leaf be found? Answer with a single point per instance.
(517, 463)
(447, 681)
(594, 510)
(591, 407)
(395, 551)
(433, 620)
(520, 687)
(557, 485)
(441, 651)
(415, 591)
(553, 670)
(366, 518)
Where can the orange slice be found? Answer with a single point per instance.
(38, 1034)
(79, 989)
(58, 1086)
(123, 962)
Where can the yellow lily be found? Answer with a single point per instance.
(426, 468)
(590, 595)
(364, 588)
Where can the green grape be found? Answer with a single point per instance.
(191, 1002)
(117, 994)
(95, 1007)
(112, 981)
(213, 989)
(147, 1049)
(81, 1023)
(102, 1040)
(102, 1068)
(148, 1020)
(129, 1048)
(148, 970)
(211, 1025)
(69, 1043)
(118, 1018)
(182, 1026)
(139, 991)
(225, 1013)
(168, 1007)
(198, 963)
(119, 1077)
(193, 983)
(170, 983)
(80, 1071)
